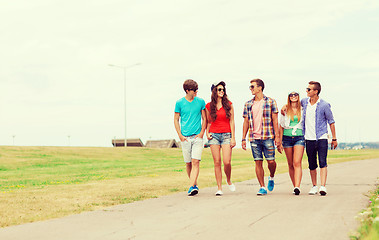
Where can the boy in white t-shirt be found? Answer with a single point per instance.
(317, 114)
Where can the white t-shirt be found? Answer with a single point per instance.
(310, 122)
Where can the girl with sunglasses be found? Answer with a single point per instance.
(220, 133)
(293, 140)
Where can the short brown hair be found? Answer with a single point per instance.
(189, 85)
(316, 86)
(259, 83)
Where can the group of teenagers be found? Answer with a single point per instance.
(301, 123)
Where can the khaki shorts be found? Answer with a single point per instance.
(192, 148)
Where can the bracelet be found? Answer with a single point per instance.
(334, 139)
(243, 140)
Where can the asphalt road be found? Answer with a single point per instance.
(238, 215)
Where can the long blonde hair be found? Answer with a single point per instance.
(290, 112)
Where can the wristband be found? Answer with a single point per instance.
(334, 139)
(243, 140)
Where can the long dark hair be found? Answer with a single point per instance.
(225, 103)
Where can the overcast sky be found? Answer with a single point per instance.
(55, 80)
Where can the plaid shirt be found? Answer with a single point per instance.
(269, 107)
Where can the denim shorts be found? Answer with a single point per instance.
(220, 138)
(317, 148)
(288, 141)
(260, 147)
(192, 148)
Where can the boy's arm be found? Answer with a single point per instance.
(203, 123)
(334, 144)
(244, 132)
(274, 117)
(330, 119)
(280, 145)
(177, 127)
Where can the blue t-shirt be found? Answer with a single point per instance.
(190, 115)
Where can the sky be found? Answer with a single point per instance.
(57, 88)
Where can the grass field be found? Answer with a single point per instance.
(369, 217)
(39, 183)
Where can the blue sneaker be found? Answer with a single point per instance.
(193, 190)
(262, 191)
(270, 185)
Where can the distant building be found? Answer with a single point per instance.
(131, 142)
(358, 147)
(168, 143)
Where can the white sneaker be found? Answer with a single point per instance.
(219, 193)
(323, 191)
(232, 187)
(313, 190)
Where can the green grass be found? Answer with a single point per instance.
(28, 167)
(43, 166)
(369, 217)
(39, 183)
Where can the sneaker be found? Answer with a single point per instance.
(262, 191)
(323, 191)
(219, 193)
(232, 187)
(313, 190)
(296, 191)
(270, 185)
(193, 190)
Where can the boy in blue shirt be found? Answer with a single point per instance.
(190, 112)
(317, 114)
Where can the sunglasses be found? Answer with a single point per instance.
(293, 94)
(220, 89)
(252, 87)
(308, 89)
(192, 90)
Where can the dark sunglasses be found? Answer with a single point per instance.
(220, 89)
(308, 89)
(192, 90)
(251, 87)
(293, 94)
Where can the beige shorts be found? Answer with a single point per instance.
(192, 148)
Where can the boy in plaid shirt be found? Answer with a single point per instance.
(261, 120)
